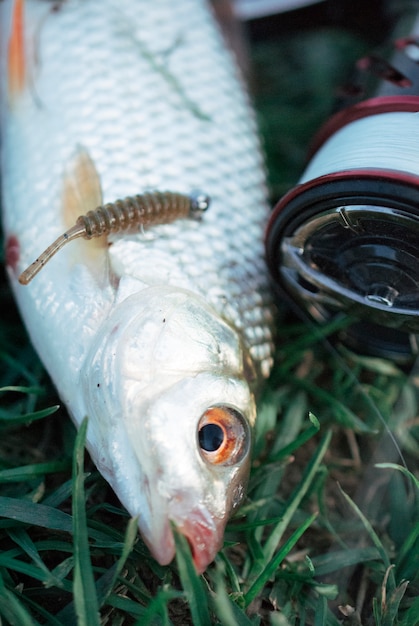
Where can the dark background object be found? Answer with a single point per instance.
(333, 268)
(355, 15)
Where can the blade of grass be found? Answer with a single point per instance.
(227, 611)
(256, 524)
(84, 590)
(106, 583)
(158, 608)
(28, 569)
(392, 604)
(278, 619)
(308, 336)
(22, 539)
(320, 616)
(17, 365)
(300, 440)
(36, 514)
(22, 389)
(293, 417)
(411, 616)
(337, 560)
(296, 498)
(13, 610)
(138, 588)
(32, 513)
(130, 537)
(402, 469)
(406, 551)
(317, 606)
(27, 472)
(58, 496)
(37, 609)
(342, 413)
(266, 479)
(8, 420)
(191, 583)
(373, 536)
(268, 408)
(128, 606)
(273, 565)
(230, 572)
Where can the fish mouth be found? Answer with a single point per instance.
(203, 533)
(205, 537)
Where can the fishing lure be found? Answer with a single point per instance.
(123, 215)
(160, 333)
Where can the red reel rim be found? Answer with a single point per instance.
(363, 184)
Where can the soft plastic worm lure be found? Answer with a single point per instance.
(129, 214)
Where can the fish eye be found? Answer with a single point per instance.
(211, 437)
(223, 436)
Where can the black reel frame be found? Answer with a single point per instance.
(348, 242)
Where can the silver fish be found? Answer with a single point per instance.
(161, 336)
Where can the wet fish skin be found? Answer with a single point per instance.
(147, 334)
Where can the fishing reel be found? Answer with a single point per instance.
(345, 240)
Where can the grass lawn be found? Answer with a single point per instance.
(329, 531)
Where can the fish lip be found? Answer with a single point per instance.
(204, 535)
(163, 550)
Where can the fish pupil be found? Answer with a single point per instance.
(210, 437)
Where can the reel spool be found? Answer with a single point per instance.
(346, 238)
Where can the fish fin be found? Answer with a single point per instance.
(82, 192)
(16, 53)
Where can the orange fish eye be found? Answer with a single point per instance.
(223, 436)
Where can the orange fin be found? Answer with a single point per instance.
(82, 192)
(16, 59)
(82, 189)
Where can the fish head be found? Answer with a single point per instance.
(170, 417)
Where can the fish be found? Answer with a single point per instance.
(158, 331)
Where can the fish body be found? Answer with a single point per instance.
(162, 336)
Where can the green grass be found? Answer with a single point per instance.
(329, 531)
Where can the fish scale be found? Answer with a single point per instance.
(177, 317)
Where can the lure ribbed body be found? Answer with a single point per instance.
(140, 210)
(129, 214)
(161, 334)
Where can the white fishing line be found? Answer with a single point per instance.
(383, 141)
